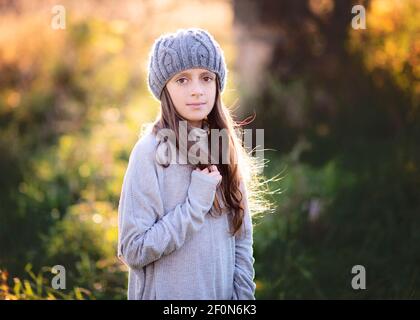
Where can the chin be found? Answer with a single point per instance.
(195, 120)
(197, 117)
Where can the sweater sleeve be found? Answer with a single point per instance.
(145, 232)
(243, 277)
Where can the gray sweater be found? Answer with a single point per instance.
(173, 247)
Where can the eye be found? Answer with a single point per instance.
(182, 80)
(207, 78)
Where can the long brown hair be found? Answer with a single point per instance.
(239, 168)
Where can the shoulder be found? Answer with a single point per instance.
(144, 151)
(142, 171)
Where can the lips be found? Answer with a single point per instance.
(196, 104)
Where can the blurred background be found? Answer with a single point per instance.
(339, 106)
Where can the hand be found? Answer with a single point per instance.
(213, 172)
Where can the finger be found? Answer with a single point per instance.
(206, 170)
(217, 177)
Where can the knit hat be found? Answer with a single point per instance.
(184, 49)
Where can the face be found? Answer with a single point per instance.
(193, 93)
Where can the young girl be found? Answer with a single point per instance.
(185, 230)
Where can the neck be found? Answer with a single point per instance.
(197, 124)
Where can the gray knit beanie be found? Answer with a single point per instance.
(184, 49)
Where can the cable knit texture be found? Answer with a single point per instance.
(174, 248)
(182, 50)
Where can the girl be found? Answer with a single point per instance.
(185, 229)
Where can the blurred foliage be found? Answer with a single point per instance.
(65, 148)
(342, 108)
(37, 287)
(392, 43)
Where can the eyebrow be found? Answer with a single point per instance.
(189, 74)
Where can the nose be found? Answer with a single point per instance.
(197, 89)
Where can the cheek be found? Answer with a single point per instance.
(177, 97)
(211, 93)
